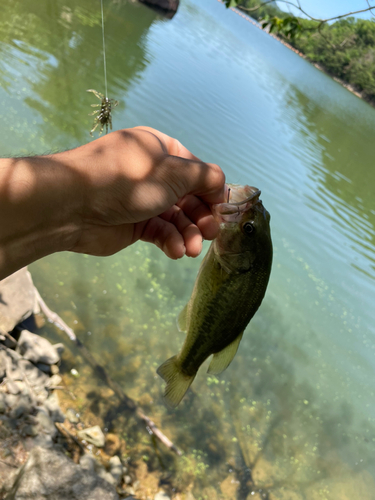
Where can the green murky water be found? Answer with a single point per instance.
(293, 416)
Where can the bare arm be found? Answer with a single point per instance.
(134, 184)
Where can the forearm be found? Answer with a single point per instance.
(40, 203)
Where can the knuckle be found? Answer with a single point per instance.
(219, 174)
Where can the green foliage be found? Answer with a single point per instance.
(289, 26)
(345, 49)
(256, 9)
(230, 3)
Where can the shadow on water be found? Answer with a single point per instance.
(292, 444)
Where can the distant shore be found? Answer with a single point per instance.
(320, 67)
(346, 85)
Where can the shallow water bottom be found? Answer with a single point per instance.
(257, 431)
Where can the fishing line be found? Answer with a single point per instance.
(104, 58)
(103, 115)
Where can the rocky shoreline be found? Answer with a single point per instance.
(47, 453)
(33, 434)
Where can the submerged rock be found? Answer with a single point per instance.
(189, 496)
(112, 444)
(161, 496)
(50, 475)
(230, 486)
(72, 416)
(93, 435)
(116, 469)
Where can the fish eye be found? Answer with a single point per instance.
(248, 227)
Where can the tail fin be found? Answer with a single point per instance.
(177, 382)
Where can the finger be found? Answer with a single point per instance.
(165, 236)
(185, 173)
(205, 180)
(199, 213)
(190, 233)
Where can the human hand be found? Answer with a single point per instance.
(134, 184)
(140, 184)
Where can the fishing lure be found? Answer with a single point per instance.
(104, 117)
(104, 113)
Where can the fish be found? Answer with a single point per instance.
(229, 288)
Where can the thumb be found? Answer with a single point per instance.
(205, 180)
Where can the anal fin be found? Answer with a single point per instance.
(221, 360)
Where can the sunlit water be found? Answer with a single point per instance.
(294, 413)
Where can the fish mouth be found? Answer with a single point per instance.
(240, 200)
(255, 194)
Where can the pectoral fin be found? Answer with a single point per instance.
(182, 319)
(221, 360)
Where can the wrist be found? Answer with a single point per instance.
(40, 206)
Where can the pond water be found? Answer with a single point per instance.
(293, 417)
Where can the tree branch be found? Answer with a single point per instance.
(368, 3)
(252, 9)
(298, 6)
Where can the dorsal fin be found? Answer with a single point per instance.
(221, 360)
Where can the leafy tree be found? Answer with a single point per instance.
(344, 48)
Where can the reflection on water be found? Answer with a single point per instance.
(343, 189)
(293, 416)
(60, 46)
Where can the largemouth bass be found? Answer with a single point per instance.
(229, 288)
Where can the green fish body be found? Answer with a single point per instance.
(229, 288)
